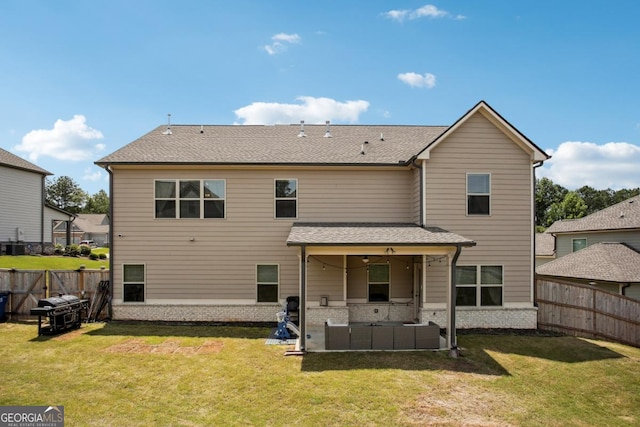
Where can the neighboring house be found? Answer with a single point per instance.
(84, 227)
(362, 223)
(26, 222)
(601, 249)
(545, 248)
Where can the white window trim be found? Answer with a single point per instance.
(466, 201)
(144, 283)
(369, 283)
(478, 285)
(285, 198)
(177, 198)
(267, 283)
(586, 243)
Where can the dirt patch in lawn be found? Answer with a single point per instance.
(456, 402)
(66, 336)
(170, 346)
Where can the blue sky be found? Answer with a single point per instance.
(80, 79)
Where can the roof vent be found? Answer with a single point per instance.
(301, 134)
(201, 128)
(381, 136)
(362, 148)
(168, 131)
(327, 134)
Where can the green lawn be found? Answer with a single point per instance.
(147, 374)
(41, 262)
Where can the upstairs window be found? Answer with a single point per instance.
(478, 194)
(286, 198)
(190, 198)
(578, 244)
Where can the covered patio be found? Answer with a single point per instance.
(373, 277)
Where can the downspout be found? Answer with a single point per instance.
(111, 242)
(451, 329)
(303, 297)
(44, 199)
(534, 292)
(623, 289)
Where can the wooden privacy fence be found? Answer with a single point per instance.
(27, 287)
(587, 311)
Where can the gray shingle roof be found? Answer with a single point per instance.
(13, 161)
(612, 262)
(623, 215)
(545, 244)
(357, 234)
(279, 144)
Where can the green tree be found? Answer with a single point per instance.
(97, 204)
(64, 193)
(547, 193)
(624, 194)
(595, 200)
(571, 207)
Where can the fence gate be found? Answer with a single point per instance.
(25, 287)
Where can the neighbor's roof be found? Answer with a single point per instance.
(545, 244)
(279, 144)
(623, 215)
(92, 223)
(611, 262)
(13, 161)
(364, 234)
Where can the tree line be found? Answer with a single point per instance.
(554, 202)
(66, 194)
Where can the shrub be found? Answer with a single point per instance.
(72, 250)
(102, 256)
(85, 250)
(93, 256)
(58, 249)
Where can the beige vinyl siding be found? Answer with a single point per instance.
(22, 204)
(220, 261)
(325, 282)
(416, 201)
(437, 281)
(504, 237)
(564, 241)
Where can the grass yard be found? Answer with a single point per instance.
(52, 262)
(121, 374)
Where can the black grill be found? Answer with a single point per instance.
(61, 313)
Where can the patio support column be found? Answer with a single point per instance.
(302, 314)
(452, 341)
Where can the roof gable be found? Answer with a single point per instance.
(537, 155)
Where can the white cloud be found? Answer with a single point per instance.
(575, 164)
(427, 80)
(426, 11)
(311, 110)
(281, 42)
(68, 140)
(91, 175)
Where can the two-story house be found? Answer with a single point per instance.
(26, 221)
(363, 223)
(601, 249)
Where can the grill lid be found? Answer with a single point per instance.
(60, 301)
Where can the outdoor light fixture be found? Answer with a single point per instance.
(365, 259)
